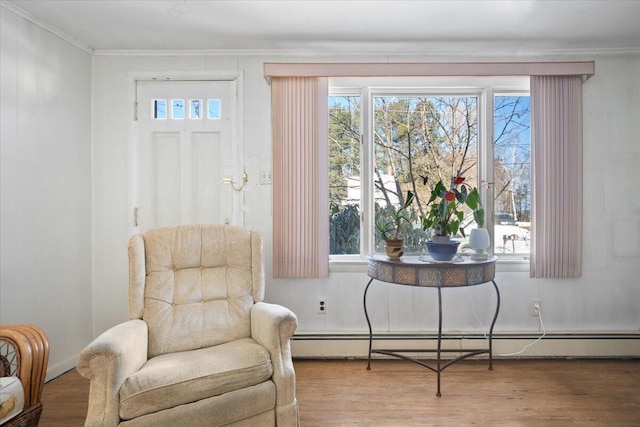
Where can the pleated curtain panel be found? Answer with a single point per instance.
(300, 177)
(556, 159)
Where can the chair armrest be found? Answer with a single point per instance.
(31, 348)
(108, 361)
(272, 322)
(272, 326)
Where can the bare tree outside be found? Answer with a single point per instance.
(344, 175)
(418, 141)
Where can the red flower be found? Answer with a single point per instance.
(450, 195)
(458, 180)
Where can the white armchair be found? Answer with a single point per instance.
(201, 348)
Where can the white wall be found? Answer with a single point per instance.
(65, 136)
(605, 299)
(45, 134)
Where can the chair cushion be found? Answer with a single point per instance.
(11, 398)
(174, 379)
(249, 407)
(199, 286)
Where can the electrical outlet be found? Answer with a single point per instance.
(322, 305)
(265, 176)
(535, 307)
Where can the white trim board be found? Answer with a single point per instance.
(581, 345)
(355, 346)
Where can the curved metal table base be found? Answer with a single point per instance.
(440, 365)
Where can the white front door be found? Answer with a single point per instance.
(185, 136)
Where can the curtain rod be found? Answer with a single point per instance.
(410, 69)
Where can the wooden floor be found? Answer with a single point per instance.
(401, 393)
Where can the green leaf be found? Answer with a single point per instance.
(409, 200)
(452, 228)
(461, 196)
(473, 201)
(478, 216)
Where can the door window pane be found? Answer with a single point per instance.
(159, 109)
(213, 109)
(195, 109)
(177, 108)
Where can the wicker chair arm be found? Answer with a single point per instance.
(24, 352)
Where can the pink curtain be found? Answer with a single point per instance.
(556, 158)
(299, 108)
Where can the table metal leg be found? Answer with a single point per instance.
(493, 322)
(440, 366)
(366, 314)
(439, 370)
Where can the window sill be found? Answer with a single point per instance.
(357, 264)
(348, 264)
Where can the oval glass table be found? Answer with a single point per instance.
(421, 271)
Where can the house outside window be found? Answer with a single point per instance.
(386, 139)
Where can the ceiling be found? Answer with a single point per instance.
(452, 26)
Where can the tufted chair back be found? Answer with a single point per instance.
(194, 285)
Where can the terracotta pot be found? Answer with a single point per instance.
(394, 248)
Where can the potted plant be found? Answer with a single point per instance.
(389, 229)
(444, 216)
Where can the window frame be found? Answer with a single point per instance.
(485, 89)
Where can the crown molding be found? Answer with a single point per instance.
(337, 53)
(49, 28)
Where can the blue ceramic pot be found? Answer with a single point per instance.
(444, 251)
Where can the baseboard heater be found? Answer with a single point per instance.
(473, 335)
(505, 344)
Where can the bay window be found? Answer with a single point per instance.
(390, 136)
